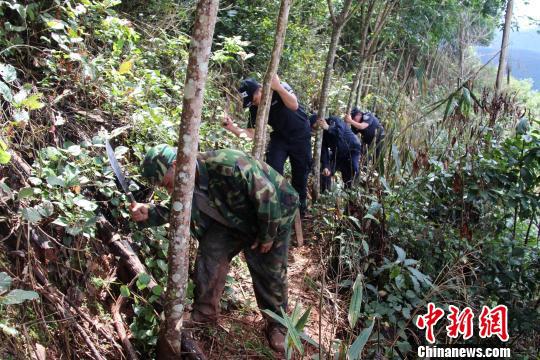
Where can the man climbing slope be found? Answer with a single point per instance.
(239, 204)
(291, 133)
(340, 151)
(369, 127)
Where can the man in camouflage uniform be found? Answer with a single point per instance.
(252, 208)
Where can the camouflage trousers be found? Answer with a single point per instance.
(268, 271)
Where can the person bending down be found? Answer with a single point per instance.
(239, 204)
(369, 127)
(340, 151)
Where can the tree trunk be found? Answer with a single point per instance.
(169, 346)
(396, 71)
(366, 85)
(504, 45)
(266, 98)
(338, 24)
(461, 44)
(355, 86)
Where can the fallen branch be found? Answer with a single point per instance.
(119, 325)
(123, 250)
(89, 342)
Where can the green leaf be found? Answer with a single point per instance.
(400, 254)
(45, 209)
(142, 281)
(55, 181)
(4, 155)
(119, 151)
(374, 208)
(396, 270)
(5, 282)
(21, 9)
(55, 24)
(19, 296)
(366, 247)
(74, 150)
(85, 204)
(449, 106)
(74, 230)
(275, 316)
(5, 189)
(406, 312)
(32, 102)
(8, 73)
(292, 333)
(303, 320)
(420, 276)
(157, 290)
(355, 351)
(124, 291)
(61, 221)
(522, 126)
(35, 181)
(6, 93)
(31, 215)
(356, 301)
(371, 217)
(26, 192)
(10, 27)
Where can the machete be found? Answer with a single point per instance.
(118, 172)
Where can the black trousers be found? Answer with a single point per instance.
(347, 166)
(299, 154)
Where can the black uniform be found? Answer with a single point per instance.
(374, 131)
(290, 138)
(340, 151)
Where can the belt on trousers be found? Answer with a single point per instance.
(202, 202)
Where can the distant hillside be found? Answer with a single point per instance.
(523, 57)
(525, 40)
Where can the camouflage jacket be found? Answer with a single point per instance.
(254, 198)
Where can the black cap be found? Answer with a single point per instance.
(355, 111)
(247, 90)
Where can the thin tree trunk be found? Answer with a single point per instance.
(406, 71)
(461, 55)
(358, 91)
(355, 86)
(504, 45)
(169, 346)
(338, 24)
(368, 47)
(366, 85)
(266, 98)
(396, 71)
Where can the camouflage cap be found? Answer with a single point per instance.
(157, 161)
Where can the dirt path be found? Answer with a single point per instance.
(240, 332)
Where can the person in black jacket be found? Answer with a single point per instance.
(369, 127)
(340, 151)
(291, 133)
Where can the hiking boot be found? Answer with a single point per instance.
(199, 318)
(275, 335)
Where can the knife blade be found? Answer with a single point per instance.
(118, 171)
